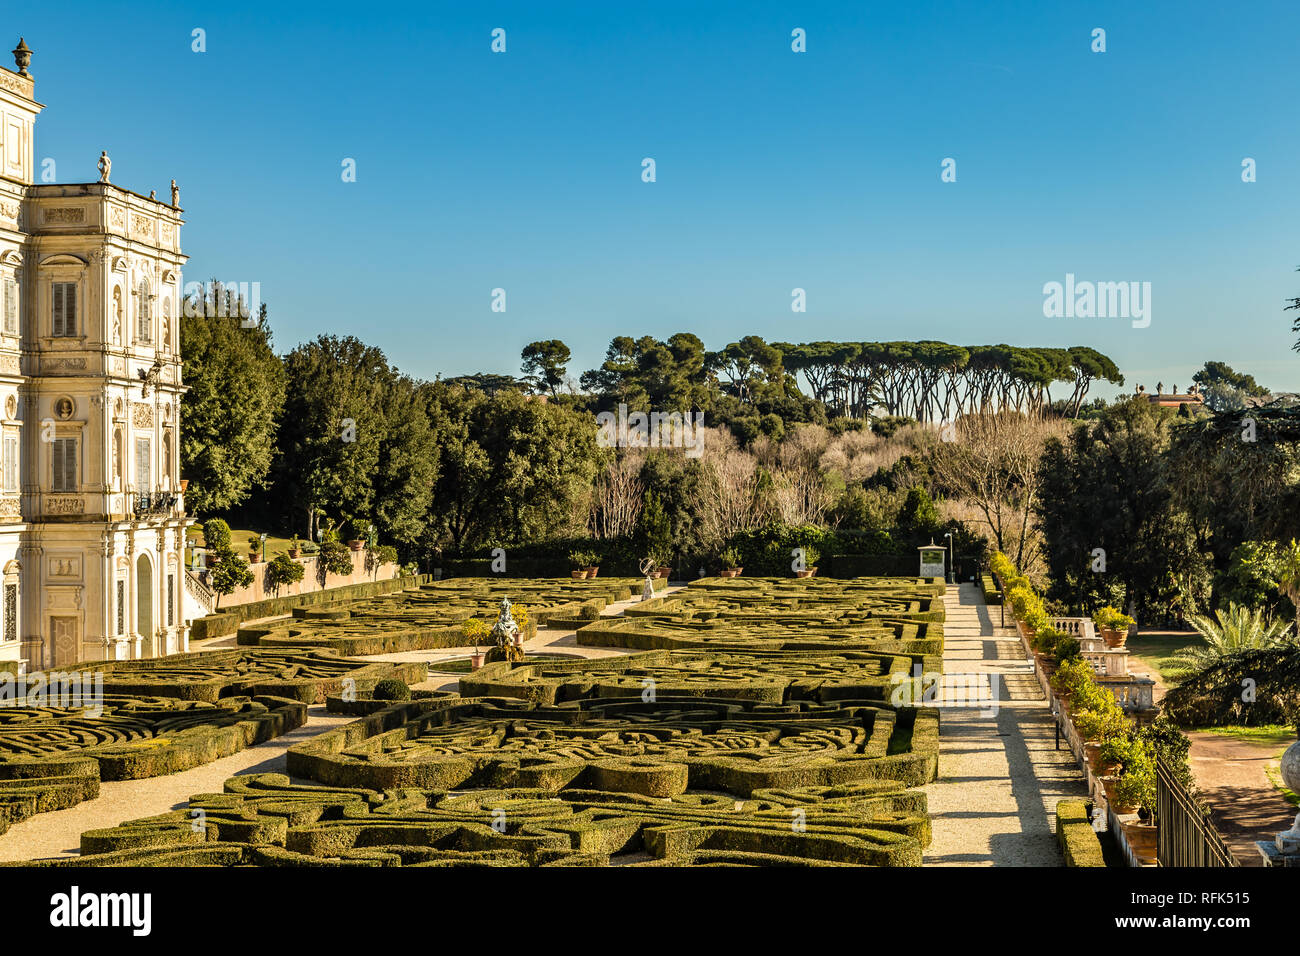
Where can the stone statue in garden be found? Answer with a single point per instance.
(648, 591)
(503, 635)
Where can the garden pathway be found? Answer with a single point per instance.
(1000, 775)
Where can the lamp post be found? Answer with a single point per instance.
(952, 571)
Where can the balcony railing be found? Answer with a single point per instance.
(158, 503)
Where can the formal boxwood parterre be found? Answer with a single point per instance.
(752, 728)
(773, 677)
(266, 820)
(432, 615)
(55, 757)
(304, 675)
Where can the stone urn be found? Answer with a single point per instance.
(1288, 842)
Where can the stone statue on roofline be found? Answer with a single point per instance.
(105, 166)
(506, 645)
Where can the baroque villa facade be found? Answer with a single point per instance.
(92, 522)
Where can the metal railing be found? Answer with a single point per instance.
(1187, 836)
(159, 502)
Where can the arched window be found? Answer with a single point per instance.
(144, 325)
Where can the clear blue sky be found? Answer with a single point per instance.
(819, 170)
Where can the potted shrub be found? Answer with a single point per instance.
(295, 547)
(360, 528)
(476, 632)
(1114, 626)
(283, 570)
(730, 561)
(216, 540)
(255, 550)
(580, 564)
(810, 556)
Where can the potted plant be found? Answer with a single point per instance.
(810, 556)
(580, 564)
(295, 547)
(360, 528)
(1114, 625)
(662, 570)
(216, 540)
(476, 632)
(730, 561)
(255, 550)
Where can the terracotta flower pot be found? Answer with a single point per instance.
(806, 573)
(592, 572)
(578, 574)
(1108, 784)
(475, 661)
(294, 552)
(1114, 638)
(1142, 838)
(664, 571)
(1092, 753)
(254, 557)
(356, 544)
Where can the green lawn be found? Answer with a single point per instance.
(239, 538)
(1156, 649)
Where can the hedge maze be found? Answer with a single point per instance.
(306, 676)
(431, 615)
(770, 678)
(751, 725)
(55, 757)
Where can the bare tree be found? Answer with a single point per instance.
(619, 493)
(992, 465)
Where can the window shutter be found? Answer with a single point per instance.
(70, 465)
(56, 469)
(11, 306)
(58, 309)
(143, 469)
(70, 307)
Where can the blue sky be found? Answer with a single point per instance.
(775, 170)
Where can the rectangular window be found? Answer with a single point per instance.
(171, 599)
(143, 466)
(64, 451)
(121, 607)
(11, 612)
(64, 296)
(11, 307)
(11, 464)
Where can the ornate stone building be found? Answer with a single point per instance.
(92, 523)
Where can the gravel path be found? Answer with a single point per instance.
(1000, 775)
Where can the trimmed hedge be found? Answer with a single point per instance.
(44, 766)
(1079, 842)
(227, 620)
(306, 676)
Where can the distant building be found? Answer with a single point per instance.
(1173, 398)
(92, 522)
